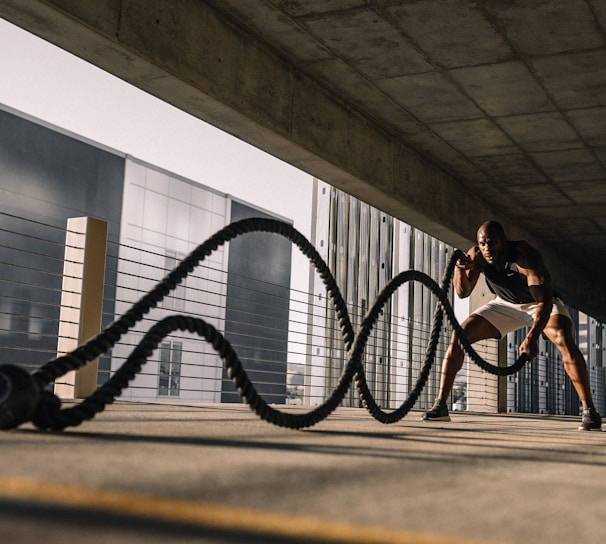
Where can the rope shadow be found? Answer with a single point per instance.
(441, 448)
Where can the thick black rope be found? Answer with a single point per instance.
(47, 413)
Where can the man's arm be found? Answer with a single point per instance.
(467, 273)
(530, 264)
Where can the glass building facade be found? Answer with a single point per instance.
(543, 387)
(167, 217)
(365, 248)
(154, 219)
(45, 178)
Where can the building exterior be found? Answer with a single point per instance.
(543, 387)
(365, 249)
(45, 178)
(167, 217)
(154, 219)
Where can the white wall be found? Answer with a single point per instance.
(164, 214)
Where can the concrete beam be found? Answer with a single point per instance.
(187, 54)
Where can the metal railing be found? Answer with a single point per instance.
(283, 358)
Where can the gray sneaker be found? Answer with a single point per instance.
(591, 420)
(439, 412)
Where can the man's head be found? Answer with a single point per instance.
(492, 242)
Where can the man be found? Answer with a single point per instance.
(516, 274)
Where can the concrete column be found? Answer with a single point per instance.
(81, 299)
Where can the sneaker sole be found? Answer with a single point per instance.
(443, 418)
(581, 428)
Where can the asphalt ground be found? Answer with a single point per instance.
(217, 473)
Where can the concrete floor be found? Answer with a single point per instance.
(216, 473)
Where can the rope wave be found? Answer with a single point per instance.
(46, 412)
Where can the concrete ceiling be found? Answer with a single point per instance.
(509, 97)
(505, 99)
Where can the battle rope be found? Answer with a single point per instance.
(23, 396)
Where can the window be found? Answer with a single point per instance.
(169, 375)
(175, 300)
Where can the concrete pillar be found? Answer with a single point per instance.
(81, 299)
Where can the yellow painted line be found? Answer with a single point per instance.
(210, 516)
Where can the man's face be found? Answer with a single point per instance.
(492, 247)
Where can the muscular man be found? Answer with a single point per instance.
(516, 274)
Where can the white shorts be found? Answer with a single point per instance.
(507, 316)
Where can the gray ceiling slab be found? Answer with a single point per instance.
(514, 169)
(431, 96)
(549, 131)
(574, 80)
(590, 124)
(370, 51)
(452, 33)
(576, 164)
(476, 138)
(507, 88)
(564, 26)
(587, 193)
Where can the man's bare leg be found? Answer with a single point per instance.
(559, 331)
(476, 328)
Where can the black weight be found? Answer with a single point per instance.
(19, 396)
